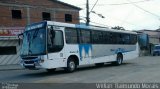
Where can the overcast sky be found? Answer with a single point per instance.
(122, 13)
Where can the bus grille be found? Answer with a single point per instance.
(29, 62)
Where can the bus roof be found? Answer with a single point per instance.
(83, 26)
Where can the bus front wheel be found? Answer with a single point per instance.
(71, 66)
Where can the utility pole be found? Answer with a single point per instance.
(87, 13)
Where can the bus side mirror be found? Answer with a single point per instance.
(19, 38)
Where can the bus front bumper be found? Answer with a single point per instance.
(29, 64)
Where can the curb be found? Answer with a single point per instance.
(10, 67)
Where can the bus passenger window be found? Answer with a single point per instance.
(71, 36)
(85, 36)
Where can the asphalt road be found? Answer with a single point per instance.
(140, 70)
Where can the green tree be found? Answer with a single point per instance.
(118, 28)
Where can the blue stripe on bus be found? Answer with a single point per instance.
(122, 50)
(86, 47)
(83, 26)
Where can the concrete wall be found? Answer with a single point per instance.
(10, 59)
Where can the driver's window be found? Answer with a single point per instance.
(58, 39)
(55, 40)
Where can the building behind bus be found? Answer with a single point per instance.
(16, 14)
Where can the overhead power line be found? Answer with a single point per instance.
(144, 9)
(126, 3)
(120, 3)
(94, 5)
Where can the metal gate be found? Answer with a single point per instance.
(7, 59)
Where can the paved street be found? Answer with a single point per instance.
(143, 69)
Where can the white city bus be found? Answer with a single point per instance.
(50, 45)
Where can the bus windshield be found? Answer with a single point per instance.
(34, 42)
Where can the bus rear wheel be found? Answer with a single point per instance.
(71, 66)
(119, 60)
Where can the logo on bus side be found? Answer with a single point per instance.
(85, 51)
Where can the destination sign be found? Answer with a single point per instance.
(35, 26)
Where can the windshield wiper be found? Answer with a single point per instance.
(29, 42)
(29, 52)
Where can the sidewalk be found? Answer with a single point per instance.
(10, 67)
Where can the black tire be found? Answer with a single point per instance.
(99, 64)
(51, 70)
(71, 66)
(157, 54)
(119, 60)
(153, 54)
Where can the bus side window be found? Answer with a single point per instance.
(111, 38)
(94, 37)
(105, 37)
(120, 41)
(133, 39)
(85, 36)
(115, 38)
(71, 36)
